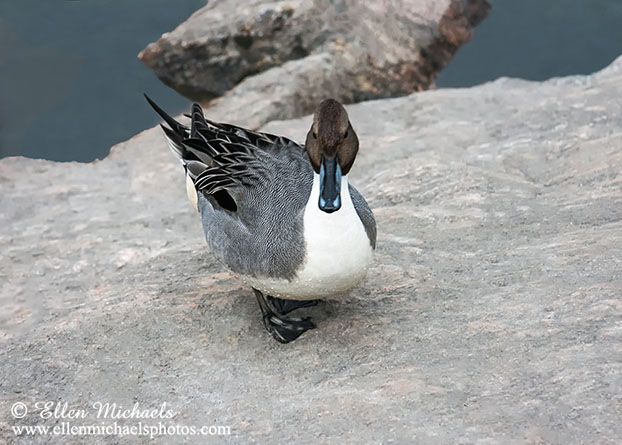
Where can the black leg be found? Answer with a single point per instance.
(286, 306)
(283, 329)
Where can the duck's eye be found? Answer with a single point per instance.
(314, 135)
(345, 136)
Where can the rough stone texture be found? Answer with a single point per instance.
(278, 48)
(492, 313)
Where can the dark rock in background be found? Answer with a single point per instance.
(268, 54)
(492, 313)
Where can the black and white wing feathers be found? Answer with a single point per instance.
(220, 157)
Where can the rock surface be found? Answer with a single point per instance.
(492, 313)
(276, 49)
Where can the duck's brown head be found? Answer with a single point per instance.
(332, 146)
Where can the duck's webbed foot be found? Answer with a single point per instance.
(283, 329)
(284, 307)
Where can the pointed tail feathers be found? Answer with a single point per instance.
(175, 132)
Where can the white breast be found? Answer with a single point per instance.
(338, 252)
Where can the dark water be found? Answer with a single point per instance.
(71, 85)
(537, 40)
(70, 82)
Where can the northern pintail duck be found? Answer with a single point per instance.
(279, 215)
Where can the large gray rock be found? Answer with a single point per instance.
(277, 49)
(492, 313)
